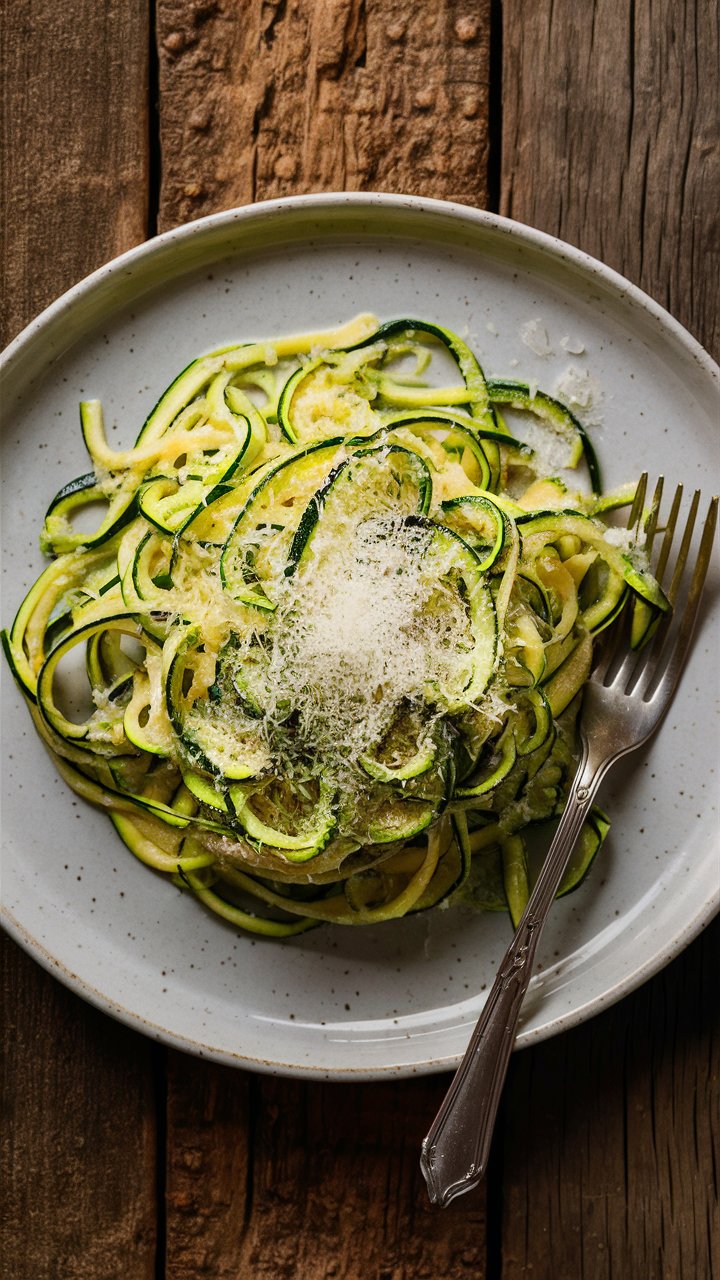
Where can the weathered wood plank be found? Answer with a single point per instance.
(78, 1150)
(290, 96)
(611, 1136)
(208, 1167)
(286, 1180)
(305, 1180)
(77, 1154)
(75, 144)
(610, 140)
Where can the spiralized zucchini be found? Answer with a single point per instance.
(335, 620)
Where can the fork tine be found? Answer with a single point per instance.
(651, 664)
(669, 535)
(630, 665)
(638, 670)
(614, 638)
(671, 674)
(638, 501)
(685, 547)
(652, 520)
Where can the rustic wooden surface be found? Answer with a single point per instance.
(78, 1156)
(335, 95)
(75, 188)
(593, 122)
(610, 140)
(78, 1153)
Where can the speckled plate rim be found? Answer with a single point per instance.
(162, 247)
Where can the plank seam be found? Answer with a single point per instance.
(153, 140)
(254, 1105)
(495, 106)
(160, 1063)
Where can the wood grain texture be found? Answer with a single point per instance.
(77, 1155)
(280, 1179)
(611, 1138)
(610, 140)
(286, 1180)
(78, 1148)
(609, 1143)
(75, 144)
(611, 1132)
(283, 97)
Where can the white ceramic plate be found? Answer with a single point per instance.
(399, 998)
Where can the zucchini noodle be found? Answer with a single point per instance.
(336, 620)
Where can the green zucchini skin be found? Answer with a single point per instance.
(56, 539)
(80, 485)
(171, 511)
(472, 507)
(467, 363)
(236, 577)
(518, 394)
(284, 408)
(345, 473)
(217, 760)
(219, 524)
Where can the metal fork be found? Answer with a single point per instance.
(624, 702)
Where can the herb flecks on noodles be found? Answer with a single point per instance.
(336, 621)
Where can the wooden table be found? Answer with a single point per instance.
(592, 121)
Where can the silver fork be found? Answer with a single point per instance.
(624, 702)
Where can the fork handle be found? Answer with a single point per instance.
(455, 1152)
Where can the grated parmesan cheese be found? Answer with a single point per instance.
(623, 539)
(359, 633)
(535, 336)
(581, 392)
(626, 541)
(573, 346)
